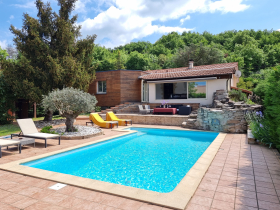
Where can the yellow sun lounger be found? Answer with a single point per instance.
(96, 119)
(112, 116)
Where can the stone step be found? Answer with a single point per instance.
(193, 116)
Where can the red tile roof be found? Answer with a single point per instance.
(196, 71)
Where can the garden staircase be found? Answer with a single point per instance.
(190, 123)
(127, 107)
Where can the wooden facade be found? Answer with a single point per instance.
(122, 86)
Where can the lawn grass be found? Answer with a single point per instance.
(10, 128)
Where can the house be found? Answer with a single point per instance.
(186, 85)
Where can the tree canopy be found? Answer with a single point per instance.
(51, 55)
(253, 50)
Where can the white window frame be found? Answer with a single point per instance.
(97, 87)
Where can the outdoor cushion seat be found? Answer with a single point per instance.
(28, 129)
(6, 143)
(96, 119)
(110, 116)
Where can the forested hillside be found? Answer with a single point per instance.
(254, 50)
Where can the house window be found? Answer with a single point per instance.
(181, 90)
(101, 87)
(197, 89)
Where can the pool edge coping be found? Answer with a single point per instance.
(178, 198)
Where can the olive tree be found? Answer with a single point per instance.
(70, 102)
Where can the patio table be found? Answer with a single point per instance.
(165, 110)
(6, 143)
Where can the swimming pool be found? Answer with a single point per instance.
(151, 159)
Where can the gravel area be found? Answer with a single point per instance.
(82, 131)
(41, 124)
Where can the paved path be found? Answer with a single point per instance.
(240, 177)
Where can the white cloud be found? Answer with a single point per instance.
(188, 17)
(12, 17)
(26, 5)
(126, 20)
(3, 44)
(278, 30)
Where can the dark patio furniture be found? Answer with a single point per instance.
(185, 110)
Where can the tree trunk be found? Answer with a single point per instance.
(48, 116)
(69, 123)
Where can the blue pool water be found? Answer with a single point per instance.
(151, 159)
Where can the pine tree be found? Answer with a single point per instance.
(50, 54)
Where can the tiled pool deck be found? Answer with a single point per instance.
(241, 176)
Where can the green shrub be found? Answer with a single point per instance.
(237, 95)
(47, 129)
(98, 109)
(7, 101)
(260, 127)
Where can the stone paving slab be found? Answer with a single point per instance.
(241, 176)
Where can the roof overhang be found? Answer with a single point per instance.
(180, 80)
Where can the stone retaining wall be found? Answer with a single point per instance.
(226, 120)
(172, 120)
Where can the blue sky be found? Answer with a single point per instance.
(117, 22)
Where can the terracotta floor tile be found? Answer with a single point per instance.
(263, 179)
(42, 194)
(265, 184)
(247, 194)
(268, 198)
(22, 204)
(217, 204)
(4, 193)
(207, 186)
(4, 206)
(86, 205)
(268, 206)
(224, 197)
(266, 190)
(70, 202)
(246, 201)
(104, 207)
(42, 206)
(227, 183)
(29, 191)
(193, 206)
(68, 190)
(54, 198)
(130, 205)
(242, 207)
(204, 201)
(12, 198)
(114, 201)
(246, 187)
(210, 181)
(149, 207)
(205, 193)
(245, 181)
(227, 190)
(212, 176)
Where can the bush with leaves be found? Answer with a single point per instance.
(7, 101)
(237, 95)
(70, 103)
(271, 103)
(47, 129)
(260, 127)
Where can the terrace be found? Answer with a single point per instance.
(241, 176)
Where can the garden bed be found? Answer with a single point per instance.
(84, 132)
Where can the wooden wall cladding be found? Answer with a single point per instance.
(113, 95)
(122, 86)
(130, 86)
